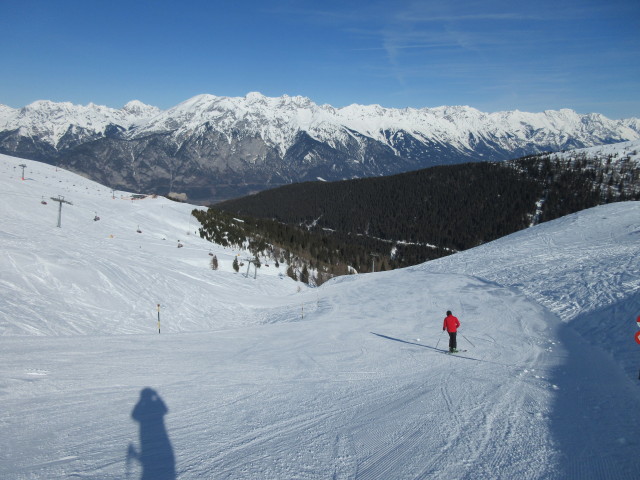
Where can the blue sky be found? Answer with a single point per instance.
(491, 55)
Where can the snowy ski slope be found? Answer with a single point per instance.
(267, 379)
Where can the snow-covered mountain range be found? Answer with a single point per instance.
(265, 378)
(218, 147)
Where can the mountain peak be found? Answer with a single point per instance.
(39, 105)
(252, 97)
(138, 108)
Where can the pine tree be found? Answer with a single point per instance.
(291, 273)
(236, 267)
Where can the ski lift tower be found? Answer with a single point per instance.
(23, 167)
(60, 200)
(373, 261)
(251, 261)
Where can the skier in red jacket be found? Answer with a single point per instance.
(451, 325)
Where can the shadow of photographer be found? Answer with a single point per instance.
(155, 453)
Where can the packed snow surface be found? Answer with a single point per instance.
(264, 378)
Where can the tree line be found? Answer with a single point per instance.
(332, 228)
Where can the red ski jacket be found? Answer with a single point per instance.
(451, 323)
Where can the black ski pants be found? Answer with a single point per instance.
(453, 344)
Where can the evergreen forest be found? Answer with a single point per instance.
(323, 229)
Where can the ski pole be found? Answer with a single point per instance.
(468, 340)
(439, 338)
(127, 468)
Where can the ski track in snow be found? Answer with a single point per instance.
(268, 379)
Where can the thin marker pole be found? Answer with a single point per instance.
(158, 318)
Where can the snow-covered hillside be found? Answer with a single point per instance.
(116, 273)
(266, 379)
(614, 169)
(615, 152)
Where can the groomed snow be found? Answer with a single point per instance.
(267, 379)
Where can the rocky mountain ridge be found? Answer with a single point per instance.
(213, 148)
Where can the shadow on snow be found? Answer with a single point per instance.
(155, 453)
(595, 415)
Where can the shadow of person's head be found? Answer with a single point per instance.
(150, 407)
